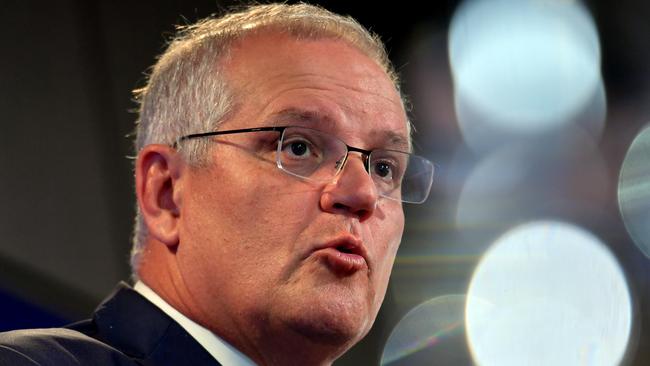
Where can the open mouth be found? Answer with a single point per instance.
(346, 249)
(344, 260)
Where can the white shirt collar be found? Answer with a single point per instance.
(223, 352)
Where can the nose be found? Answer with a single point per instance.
(352, 192)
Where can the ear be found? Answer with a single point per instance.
(158, 173)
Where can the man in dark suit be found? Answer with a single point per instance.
(273, 161)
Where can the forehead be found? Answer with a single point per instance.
(324, 83)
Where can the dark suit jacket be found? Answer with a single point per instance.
(126, 329)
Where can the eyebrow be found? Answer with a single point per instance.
(393, 139)
(301, 115)
(397, 141)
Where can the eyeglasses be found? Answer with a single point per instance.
(318, 156)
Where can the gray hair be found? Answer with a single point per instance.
(186, 93)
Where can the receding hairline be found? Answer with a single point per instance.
(196, 41)
(300, 21)
(221, 63)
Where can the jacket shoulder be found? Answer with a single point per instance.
(57, 346)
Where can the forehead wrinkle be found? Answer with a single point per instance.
(364, 88)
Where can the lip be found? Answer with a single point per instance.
(344, 255)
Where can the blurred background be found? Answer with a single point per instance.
(533, 247)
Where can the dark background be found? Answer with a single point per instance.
(66, 193)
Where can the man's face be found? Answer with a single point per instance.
(261, 249)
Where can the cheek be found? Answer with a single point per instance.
(388, 228)
(252, 217)
(388, 235)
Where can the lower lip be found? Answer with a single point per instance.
(343, 263)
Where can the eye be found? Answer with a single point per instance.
(298, 148)
(388, 167)
(383, 169)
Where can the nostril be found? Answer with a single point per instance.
(362, 214)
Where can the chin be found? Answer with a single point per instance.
(332, 323)
(328, 333)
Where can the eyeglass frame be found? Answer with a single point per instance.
(364, 153)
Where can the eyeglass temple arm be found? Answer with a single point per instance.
(228, 132)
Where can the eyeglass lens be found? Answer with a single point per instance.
(319, 156)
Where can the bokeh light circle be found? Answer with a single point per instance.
(523, 67)
(425, 327)
(548, 293)
(634, 191)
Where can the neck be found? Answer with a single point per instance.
(157, 270)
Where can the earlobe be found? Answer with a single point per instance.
(158, 170)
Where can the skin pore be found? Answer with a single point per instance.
(249, 251)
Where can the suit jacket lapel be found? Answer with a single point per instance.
(134, 326)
